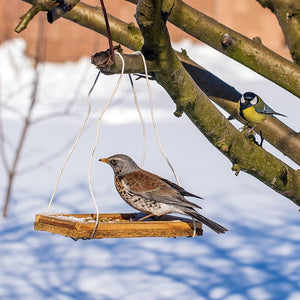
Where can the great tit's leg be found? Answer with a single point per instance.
(250, 130)
(261, 138)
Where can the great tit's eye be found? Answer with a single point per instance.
(254, 101)
(113, 162)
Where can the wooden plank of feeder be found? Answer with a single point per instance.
(80, 226)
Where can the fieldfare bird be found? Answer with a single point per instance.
(152, 194)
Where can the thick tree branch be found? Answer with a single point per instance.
(244, 154)
(288, 15)
(285, 139)
(249, 52)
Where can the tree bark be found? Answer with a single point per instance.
(251, 53)
(288, 15)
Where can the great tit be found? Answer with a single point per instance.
(252, 108)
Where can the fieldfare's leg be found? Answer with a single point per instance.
(145, 217)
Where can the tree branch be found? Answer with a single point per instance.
(58, 11)
(27, 17)
(250, 53)
(244, 154)
(288, 15)
(285, 139)
(24, 131)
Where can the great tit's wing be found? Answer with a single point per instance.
(263, 108)
(267, 110)
(260, 106)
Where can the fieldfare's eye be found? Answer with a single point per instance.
(113, 162)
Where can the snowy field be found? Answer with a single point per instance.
(258, 258)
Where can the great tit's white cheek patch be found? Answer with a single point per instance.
(254, 101)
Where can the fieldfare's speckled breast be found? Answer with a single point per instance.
(140, 189)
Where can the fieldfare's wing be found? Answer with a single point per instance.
(152, 187)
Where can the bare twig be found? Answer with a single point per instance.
(27, 123)
(2, 136)
(29, 15)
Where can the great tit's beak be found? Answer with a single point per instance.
(104, 160)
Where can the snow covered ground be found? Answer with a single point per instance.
(257, 259)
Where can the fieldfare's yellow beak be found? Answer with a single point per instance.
(104, 160)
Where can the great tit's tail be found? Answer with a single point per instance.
(269, 111)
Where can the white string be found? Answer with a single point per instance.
(96, 141)
(153, 119)
(97, 135)
(194, 228)
(75, 143)
(142, 121)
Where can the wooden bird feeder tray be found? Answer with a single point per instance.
(81, 226)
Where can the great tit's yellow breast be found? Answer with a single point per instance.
(251, 115)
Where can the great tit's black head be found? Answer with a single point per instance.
(248, 99)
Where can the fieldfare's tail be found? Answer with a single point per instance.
(210, 223)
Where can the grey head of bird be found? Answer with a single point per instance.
(248, 99)
(121, 164)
